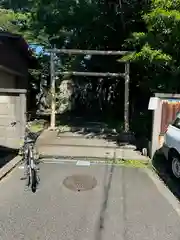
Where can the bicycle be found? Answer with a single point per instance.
(29, 159)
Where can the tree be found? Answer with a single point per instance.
(17, 5)
(158, 46)
(88, 24)
(16, 22)
(10, 21)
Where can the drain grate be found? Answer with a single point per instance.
(80, 183)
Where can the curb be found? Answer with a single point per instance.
(70, 161)
(88, 146)
(9, 167)
(45, 157)
(70, 158)
(93, 162)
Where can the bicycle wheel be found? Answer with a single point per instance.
(33, 180)
(27, 170)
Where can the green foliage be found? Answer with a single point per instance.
(11, 21)
(149, 28)
(148, 55)
(16, 22)
(17, 5)
(158, 46)
(166, 4)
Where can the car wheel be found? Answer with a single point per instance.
(175, 164)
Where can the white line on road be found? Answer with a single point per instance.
(21, 167)
(83, 163)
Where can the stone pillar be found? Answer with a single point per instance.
(64, 96)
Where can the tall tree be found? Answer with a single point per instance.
(158, 47)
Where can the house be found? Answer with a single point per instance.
(15, 61)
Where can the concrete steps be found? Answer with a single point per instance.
(86, 153)
(74, 145)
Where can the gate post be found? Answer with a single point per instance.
(126, 97)
(156, 128)
(53, 100)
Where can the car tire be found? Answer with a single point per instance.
(175, 166)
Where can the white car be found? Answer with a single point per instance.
(171, 146)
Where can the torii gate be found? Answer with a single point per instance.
(95, 74)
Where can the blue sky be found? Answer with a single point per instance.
(37, 49)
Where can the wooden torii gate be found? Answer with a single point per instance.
(125, 75)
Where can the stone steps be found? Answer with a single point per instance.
(88, 153)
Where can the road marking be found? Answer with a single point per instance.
(83, 163)
(21, 167)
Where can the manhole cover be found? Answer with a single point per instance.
(80, 182)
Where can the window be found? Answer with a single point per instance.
(176, 123)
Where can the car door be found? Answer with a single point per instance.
(172, 136)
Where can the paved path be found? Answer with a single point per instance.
(125, 205)
(76, 145)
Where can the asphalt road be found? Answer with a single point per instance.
(125, 205)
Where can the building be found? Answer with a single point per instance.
(15, 61)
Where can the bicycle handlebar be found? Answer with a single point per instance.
(14, 123)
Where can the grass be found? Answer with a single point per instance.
(131, 163)
(64, 128)
(36, 126)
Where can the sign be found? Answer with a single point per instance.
(153, 103)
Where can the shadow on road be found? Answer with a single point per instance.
(163, 170)
(95, 128)
(6, 155)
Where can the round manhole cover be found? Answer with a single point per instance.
(80, 182)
